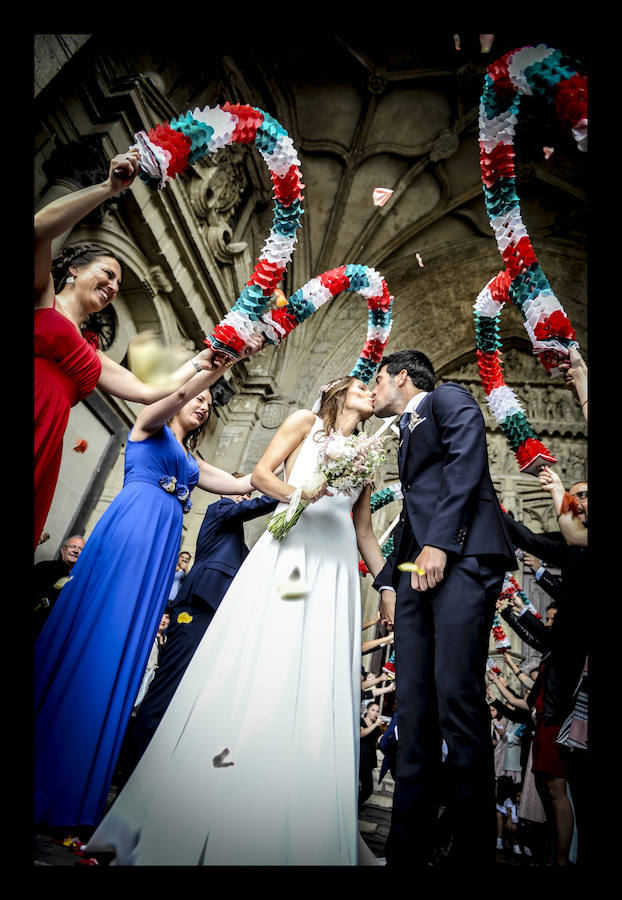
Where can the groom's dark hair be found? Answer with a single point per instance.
(417, 365)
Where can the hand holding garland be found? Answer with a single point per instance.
(572, 529)
(153, 417)
(575, 378)
(62, 214)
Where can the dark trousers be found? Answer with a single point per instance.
(441, 647)
(182, 639)
(366, 782)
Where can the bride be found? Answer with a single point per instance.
(255, 761)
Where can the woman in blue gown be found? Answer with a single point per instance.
(91, 655)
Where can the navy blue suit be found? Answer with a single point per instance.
(441, 635)
(220, 552)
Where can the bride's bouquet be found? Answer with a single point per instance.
(344, 463)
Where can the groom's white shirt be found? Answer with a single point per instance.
(410, 407)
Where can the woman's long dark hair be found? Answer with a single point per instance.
(331, 403)
(77, 256)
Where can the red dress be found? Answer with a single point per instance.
(67, 369)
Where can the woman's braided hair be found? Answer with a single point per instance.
(78, 255)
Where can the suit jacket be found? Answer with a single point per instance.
(529, 628)
(567, 638)
(449, 498)
(220, 550)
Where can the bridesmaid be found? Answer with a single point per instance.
(91, 654)
(84, 279)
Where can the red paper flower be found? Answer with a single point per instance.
(496, 163)
(519, 257)
(500, 286)
(284, 318)
(382, 301)
(363, 570)
(373, 349)
(229, 336)
(570, 100)
(249, 120)
(177, 144)
(498, 71)
(288, 187)
(529, 450)
(335, 280)
(557, 325)
(81, 446)
(267, 275)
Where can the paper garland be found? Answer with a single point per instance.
(169, 148)
(538, 71)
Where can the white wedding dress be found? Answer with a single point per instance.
(277, 683)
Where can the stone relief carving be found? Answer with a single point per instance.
(274, 413)
(444, 146)
(215, 195)
(549, 406)
(157, 282)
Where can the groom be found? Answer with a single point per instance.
(452, 528)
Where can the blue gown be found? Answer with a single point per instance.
(91, 655)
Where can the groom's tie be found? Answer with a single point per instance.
(403, 435)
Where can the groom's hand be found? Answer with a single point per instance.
(429, 569)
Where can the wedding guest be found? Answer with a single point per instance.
(368, 760)
(152, 662)
(49, 577)
(368, 686)
(507, 813)
(102, 632)
(181, 571)
(83, 279)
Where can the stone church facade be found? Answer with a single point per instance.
(402, 117)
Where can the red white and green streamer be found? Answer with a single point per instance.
(542, 72)
(169, 148)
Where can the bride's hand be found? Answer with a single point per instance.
(324, 492)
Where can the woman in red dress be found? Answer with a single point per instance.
(84, 279)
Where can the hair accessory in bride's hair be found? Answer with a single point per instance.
(325, 387)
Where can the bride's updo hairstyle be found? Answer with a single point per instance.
(332, 400)
(78, 256)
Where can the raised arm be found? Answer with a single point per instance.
(153, 417)
(61, 215)
(120, 382)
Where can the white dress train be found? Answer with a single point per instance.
(276, 682)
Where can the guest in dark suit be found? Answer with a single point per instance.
(452, 529)
(220, 552)
(50, 576)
